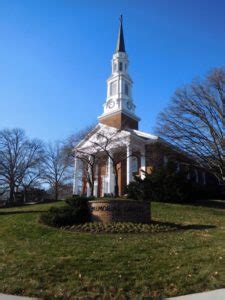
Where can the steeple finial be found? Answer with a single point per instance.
(120, 41)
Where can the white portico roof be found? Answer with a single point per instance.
(121, 137)
(145, 135)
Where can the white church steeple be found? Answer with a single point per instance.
(119, 84)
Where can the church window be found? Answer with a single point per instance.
(114, 67)
(189, 174)
(204, 177)
(165, 160)
(196, 176)
(113, 86)
(134, 164)
(126, 89)
(177, 167)
(121, 66)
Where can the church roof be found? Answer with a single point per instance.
(140, 135)
(120, 47)
(145, 135)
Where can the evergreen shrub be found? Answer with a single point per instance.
(76, 211)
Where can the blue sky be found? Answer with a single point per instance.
(55, 57)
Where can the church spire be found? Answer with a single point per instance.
(120, 47)
(119, 107)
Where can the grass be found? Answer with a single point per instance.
(36, 260)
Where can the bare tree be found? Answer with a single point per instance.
(108, 144)
(19, 156)
(56, 167)
(89, 163)
(74, 139)
(33, 178)
(193, 121)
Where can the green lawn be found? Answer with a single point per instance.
(53, 264)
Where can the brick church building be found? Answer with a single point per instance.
(118, 134)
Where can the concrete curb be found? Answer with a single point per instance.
(211, 295)
(11, 297)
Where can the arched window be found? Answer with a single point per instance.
(121, 66)
(165, 160)
(113, 86)
(196, 176)
(177, 167)
(134, 164)
(126, 89)
(204, 177)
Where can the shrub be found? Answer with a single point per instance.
(139, 189)
(108, 195)
(77, 200)
(164, 185)
(75, 212)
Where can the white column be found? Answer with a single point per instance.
(88, 190)
(143, 164)
(96, 182)
(110, 176)
(129, 164)
(75, 178)
(89, 174)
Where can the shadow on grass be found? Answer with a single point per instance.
(219, 204)
(183, 227)
(169, 225)
(20, 212)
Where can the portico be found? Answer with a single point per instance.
(123, 158)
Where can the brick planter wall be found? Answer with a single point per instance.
(120, 211)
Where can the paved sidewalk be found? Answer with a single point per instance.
(212, 295)
(11, 297)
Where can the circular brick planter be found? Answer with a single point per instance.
(120, 211)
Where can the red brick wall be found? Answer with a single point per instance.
(119, 121)
(155, 159)
(120, 211)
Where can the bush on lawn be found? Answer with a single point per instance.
(77, 200)
(76, 211)
(139, 189)
(166, 185)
